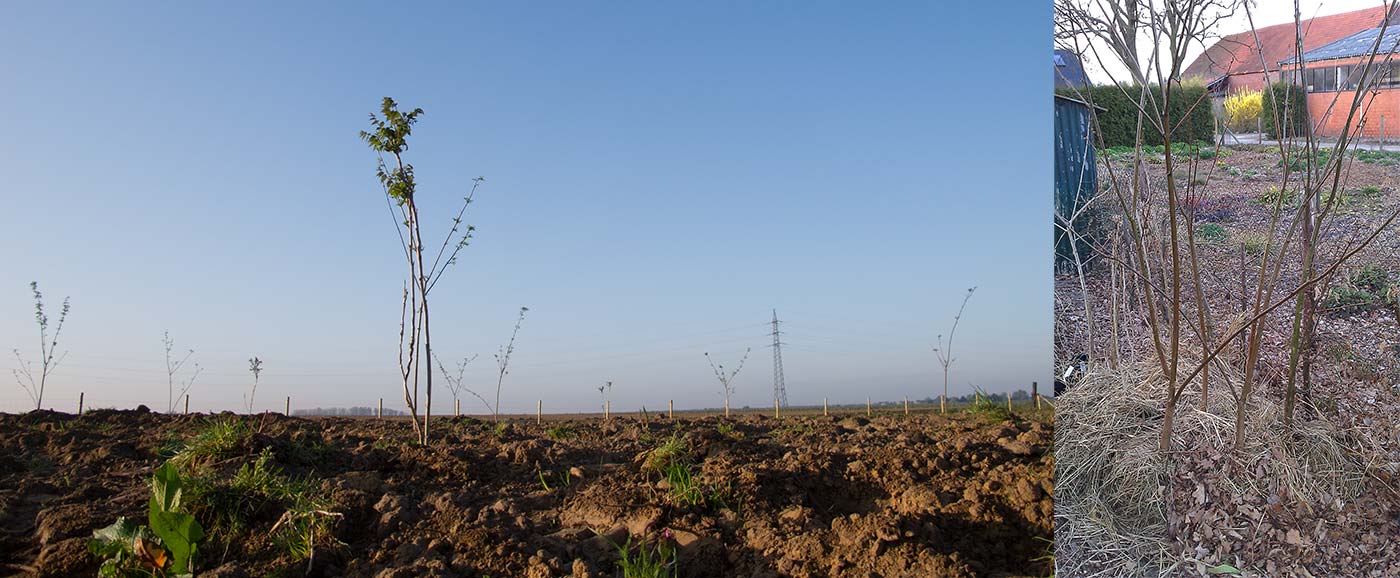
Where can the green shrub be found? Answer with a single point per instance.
(1212, 232)
(1386, 158)
(1117, 121)
(1291, 113)
(1372, 278)
(988, 408)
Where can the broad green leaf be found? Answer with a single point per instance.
(123, 531)
(179, 533)
(1223, 569)
(165, 489)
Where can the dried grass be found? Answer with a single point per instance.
(1112, 483)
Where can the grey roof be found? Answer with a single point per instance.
(1068, 70)
(1358, 44)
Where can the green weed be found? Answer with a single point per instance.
(1273, 195)
(166, 548)
(674, 450)
(1368, 287)
(795, 430)
(218, 439)
(258, 491)
(560, 432)
(1212, 232)
(565, 479)
(1254, 242)
(646, 562)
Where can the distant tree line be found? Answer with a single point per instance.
(1018, 395)
(343, 411)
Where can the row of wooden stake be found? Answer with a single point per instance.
(670, 412)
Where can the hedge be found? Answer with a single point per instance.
(1117, 117)
(1294, 116)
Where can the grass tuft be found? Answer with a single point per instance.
(218, 439)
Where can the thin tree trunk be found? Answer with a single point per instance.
(1175, 312)
(427, 353)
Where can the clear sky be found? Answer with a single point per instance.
(659, 177)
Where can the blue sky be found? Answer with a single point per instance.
(659, 177)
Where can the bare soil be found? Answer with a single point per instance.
(923, 495)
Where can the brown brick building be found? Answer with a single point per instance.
(1332, 72)
(1238, 62)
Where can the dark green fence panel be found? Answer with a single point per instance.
(1076, 175)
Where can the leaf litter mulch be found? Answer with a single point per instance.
(1318, 500)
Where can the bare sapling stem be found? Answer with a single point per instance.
(255, 367)
(726, 380)
(503, 363)
(605, 390)
(172, 370)
(456, 383)
(47, 348)
(945, 351)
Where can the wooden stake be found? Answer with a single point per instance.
(1035, 393)
(775, 409)
(824, 414)
(80, 403)
(671, 409)
(1008, 402)
(381, 408)
(867, 407)
(607, 410)
(288, 413)
(906, 406)
(187, 404)
(539, 412)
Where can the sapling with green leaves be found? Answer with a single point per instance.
(172, 370)
(255, 367)
(47, 346)
(503, 362)
(945, 352)
(726, 380)
(389, 138)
